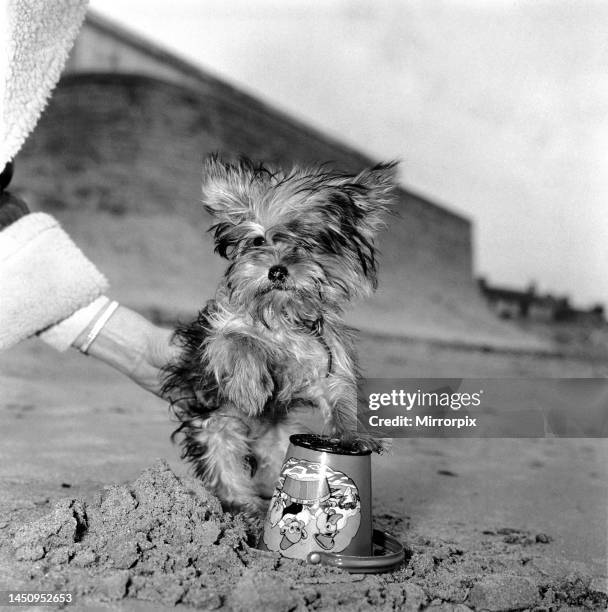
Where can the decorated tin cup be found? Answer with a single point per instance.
(321, 509)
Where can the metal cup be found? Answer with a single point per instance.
(321, 509)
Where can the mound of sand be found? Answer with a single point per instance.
(165, 540)
(156, 539)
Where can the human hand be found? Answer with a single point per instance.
(134, 346)
(158, 353)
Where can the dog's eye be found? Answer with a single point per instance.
(258, 241)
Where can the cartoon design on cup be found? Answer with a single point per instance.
(313, 508)
(275, 512)
(327, 524)
(293, 531)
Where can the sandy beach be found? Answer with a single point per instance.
(487, 523)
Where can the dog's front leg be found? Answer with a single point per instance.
(337, 399)
(240, 365)
(219, 448)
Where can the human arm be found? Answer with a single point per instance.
(49, 287)
(132, 345)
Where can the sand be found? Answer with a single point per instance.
(164, 539)
(488, 524)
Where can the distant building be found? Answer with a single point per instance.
(509, 303)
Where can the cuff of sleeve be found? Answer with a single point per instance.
(62, 335)
(44, 277)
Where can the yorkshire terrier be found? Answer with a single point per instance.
(272, 346)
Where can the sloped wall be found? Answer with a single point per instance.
(117, 159)
(247, 124)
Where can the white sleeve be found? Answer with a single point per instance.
(44, 277)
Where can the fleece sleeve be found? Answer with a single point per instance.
(35, 39)
(44, 277)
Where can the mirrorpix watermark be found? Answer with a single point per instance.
(492, 408)
(426, 401)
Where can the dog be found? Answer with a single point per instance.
(272, 347)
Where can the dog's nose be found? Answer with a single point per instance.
(278, 273)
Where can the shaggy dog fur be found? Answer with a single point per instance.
(272, 347)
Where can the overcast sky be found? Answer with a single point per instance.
(497, 109)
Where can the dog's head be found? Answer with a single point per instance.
(299, 243)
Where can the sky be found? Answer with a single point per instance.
(496, 109)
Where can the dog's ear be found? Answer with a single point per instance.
(362, 203)
(230, 190)
(372, 192)
(223, 190)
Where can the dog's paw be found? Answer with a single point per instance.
(241, 369)
(366, 443)
(253, 509)
(249, 391)
(379, 445)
